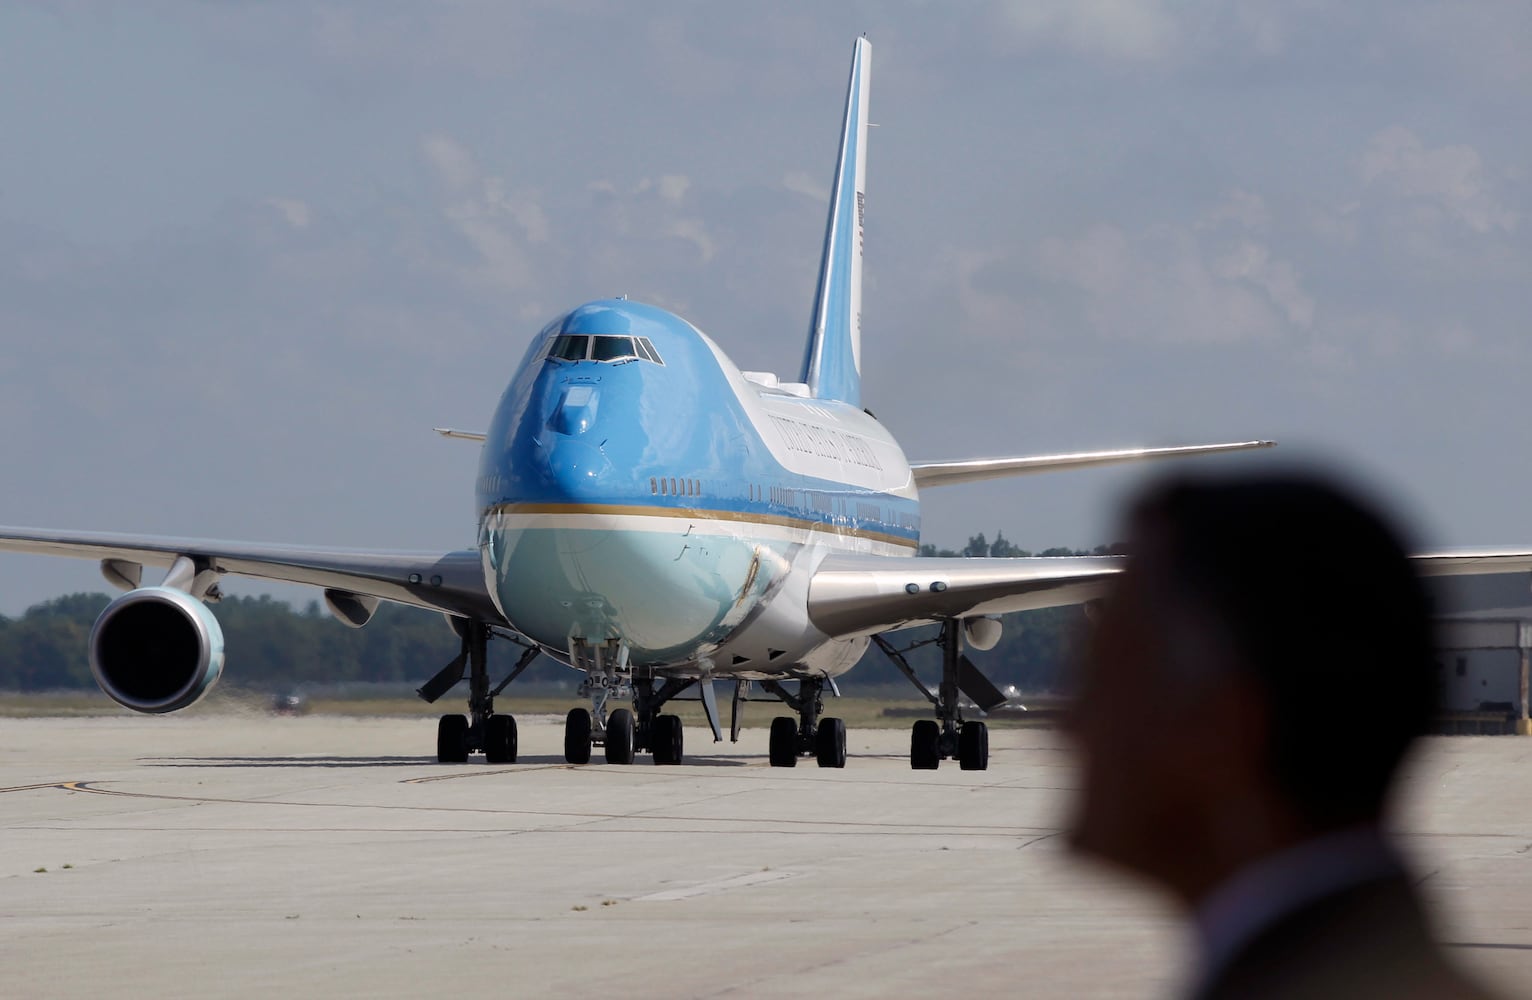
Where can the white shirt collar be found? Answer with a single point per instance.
(1260, 894)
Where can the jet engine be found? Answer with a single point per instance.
(156, 649)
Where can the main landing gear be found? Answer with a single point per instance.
(481, 731)
(823, 738)
(948, 736)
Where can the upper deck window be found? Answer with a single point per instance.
(583, 347)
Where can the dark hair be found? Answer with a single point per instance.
(1322, 605)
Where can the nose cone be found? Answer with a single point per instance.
(576, 466)
(572, 447)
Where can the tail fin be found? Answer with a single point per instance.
(832, 365)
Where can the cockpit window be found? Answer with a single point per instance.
(580, 347)
(613, 349)
(569, 347)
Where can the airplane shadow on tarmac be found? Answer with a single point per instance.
(332, 761)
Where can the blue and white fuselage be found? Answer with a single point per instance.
(646, 505)
(637, 488)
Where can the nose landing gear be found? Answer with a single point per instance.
(622, 732)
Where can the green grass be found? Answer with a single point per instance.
(860, 712)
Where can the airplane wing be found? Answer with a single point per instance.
(452, 432)
(1474, 562)
(862, 595)
(452, 582)
(977, 470)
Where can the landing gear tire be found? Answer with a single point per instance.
(830, 742)
(973, 746)
(577, 736)
(667, 739)
(500, 740)
(452, 739)
(619, 737)
(784, 742)
(925, 745)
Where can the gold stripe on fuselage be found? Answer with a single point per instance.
(700, 513)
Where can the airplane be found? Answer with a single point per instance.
(659, 520)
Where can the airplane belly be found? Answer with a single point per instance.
(671, 588)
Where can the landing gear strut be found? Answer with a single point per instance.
(481, 731)
(824, 738)
(623, 732)
(947, 736)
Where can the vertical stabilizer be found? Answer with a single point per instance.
(832, 366)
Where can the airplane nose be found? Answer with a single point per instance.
(576, 462)
(576, 409)
(576, 465)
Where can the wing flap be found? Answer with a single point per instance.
(459, 586)
(977, 470)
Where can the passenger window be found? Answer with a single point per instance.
(613, 349)
(569, 347)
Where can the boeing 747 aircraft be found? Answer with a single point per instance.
(659, 520)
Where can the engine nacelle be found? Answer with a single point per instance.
(156, 649)
(982, 633)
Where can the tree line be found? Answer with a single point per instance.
(270, 645)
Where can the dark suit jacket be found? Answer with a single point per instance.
(1370, 940)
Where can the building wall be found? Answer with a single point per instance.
(1473, 680)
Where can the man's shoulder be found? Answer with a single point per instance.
(1372, 939)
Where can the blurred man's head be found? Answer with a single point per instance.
(1254, 677)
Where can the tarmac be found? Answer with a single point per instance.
(202, 854)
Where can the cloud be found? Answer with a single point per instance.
(1164, 284)
(1239, 208)
(496, 223)
(1484, 40)
(694, 232)
(672, 187)
(455, 166)
(294, 212)
(1251, 262)
(1450, 178)
(1130, 30)
(801, 182)
(649, 208)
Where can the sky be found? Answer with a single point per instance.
(250, 254)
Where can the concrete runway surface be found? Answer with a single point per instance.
(223, 855)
